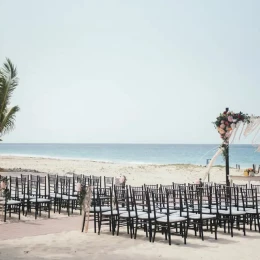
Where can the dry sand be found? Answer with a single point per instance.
(77, 245)
(136, 174)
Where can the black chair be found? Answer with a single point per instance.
(250, 198)
(169, 222)
(10, 204)
(126, 210)
(53, 191)
(68, 199)
(38, 199)
(192, 209)
(109, 182)
(229, 209)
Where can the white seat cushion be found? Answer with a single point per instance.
(132, 214)
(152, 215)
(204, 216)
(10, 202)
(138, 207)
(65, 197)
(207, 211)
(164, 211)
(53, 195)
(40, 200)
(97, 208)
(171, 219)
(233, 212)
(122, 209)
(183, 214)
(252, 211)
(108, 213)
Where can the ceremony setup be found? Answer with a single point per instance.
(129, 130)
(171, 210)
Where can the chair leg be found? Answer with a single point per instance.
(201, 230)
(244, 224)
(49, 209)
(136, 224)
(216, 228)
(5, 212)
(185, 230)
(60, 201)
(83, 223)
(169, 233)
(36, 210)
(19, 213)
(231, 220)
(68, 207)
(258, 224)
(155, 226)
(95, 222)
(99, 223)
(118, 220)
(195, 228)
(131, 227)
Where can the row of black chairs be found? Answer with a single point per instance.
(41, 193)
(175, 209)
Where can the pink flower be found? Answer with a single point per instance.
(228, 134)
(122, 179)
(79, 187)
(3, 185)
(221, 131)
(230, 119)
(222, 126)
(222, 121)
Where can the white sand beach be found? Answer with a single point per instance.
(77, 245)
(136, 174)
(72, 244)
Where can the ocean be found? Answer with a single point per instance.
(244, 155)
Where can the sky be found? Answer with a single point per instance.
(139, 71)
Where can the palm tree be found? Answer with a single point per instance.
(8, 83)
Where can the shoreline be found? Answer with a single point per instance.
(20, 156)
(136, 174)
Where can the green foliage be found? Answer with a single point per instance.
(5, 191)
(8, 83)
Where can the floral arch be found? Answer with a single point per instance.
(230, 125)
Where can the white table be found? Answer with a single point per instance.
(243, 178)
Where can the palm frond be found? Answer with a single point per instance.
(9, 69)
(8, 120)
(8, 83)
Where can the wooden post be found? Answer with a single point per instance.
(227, 165)
(227, 160)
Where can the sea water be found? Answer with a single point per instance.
(244, 155)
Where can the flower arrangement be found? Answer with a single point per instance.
(4, 187)
(81, 189)
(249, 171)
(122, 180)
(225, 123)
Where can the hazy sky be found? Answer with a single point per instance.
(136, 71)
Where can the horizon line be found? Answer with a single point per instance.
(124, 143)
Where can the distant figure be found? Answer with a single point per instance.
(199, 182)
